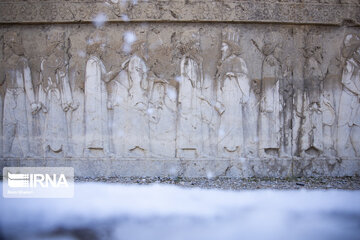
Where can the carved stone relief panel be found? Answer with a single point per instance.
(182, 91)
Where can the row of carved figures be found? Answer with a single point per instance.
(143, 117)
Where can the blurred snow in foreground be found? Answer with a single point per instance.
(110, 211)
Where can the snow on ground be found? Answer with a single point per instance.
(114, 211)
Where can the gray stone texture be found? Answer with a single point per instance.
(182, 88)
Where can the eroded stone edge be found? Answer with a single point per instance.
(180, 11)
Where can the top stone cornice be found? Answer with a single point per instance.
(237, 11)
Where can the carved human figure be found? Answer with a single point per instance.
(329, 117)
(55, 95)
(19, 96)
(232, 93)
(312, 129)
(328, 105)
(96, 97)
(348, 137)
(119, 109)
(189, 137)
(271, 101)
(287, 87)
(163, 119)
(137, 128)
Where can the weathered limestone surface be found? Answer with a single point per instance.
(285, 11)
(190, 88)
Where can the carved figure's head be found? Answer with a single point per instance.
(351, 44)
(138, 47)
(271, 41)
(313, 46)
(190, 41)
(357, 54)
(351, 39)
(230, 44)
(95, 43)
(55, 36)
(55, 39)
(12, 40)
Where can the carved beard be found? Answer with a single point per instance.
(268, 48)
(225, 54)
(94, 49)
(19, 51)
(318, 56)
(54, 47)
(10, 57)
(315, 53)
(14, 48)
(356, 57)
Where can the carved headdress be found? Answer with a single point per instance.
(189, 42)
(95, 42)
(54, 39)
(12, 37)
(312, 43)
(55, 36)
(138, 47)
(232, 39)
(134, 43)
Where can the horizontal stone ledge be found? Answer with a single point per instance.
(32, 12)
(243, 168)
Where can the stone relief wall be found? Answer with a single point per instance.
(198, 91)
(263, 96)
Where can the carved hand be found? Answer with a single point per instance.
(264, 107)
(110, 105)
(230, 74)
(67, 106)
(349, 68)
(244, 99)
(74, 106)
(35, 107)
(219, 107)
(42, 107)
(271, 62)
(130, 96)
(62, 74)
